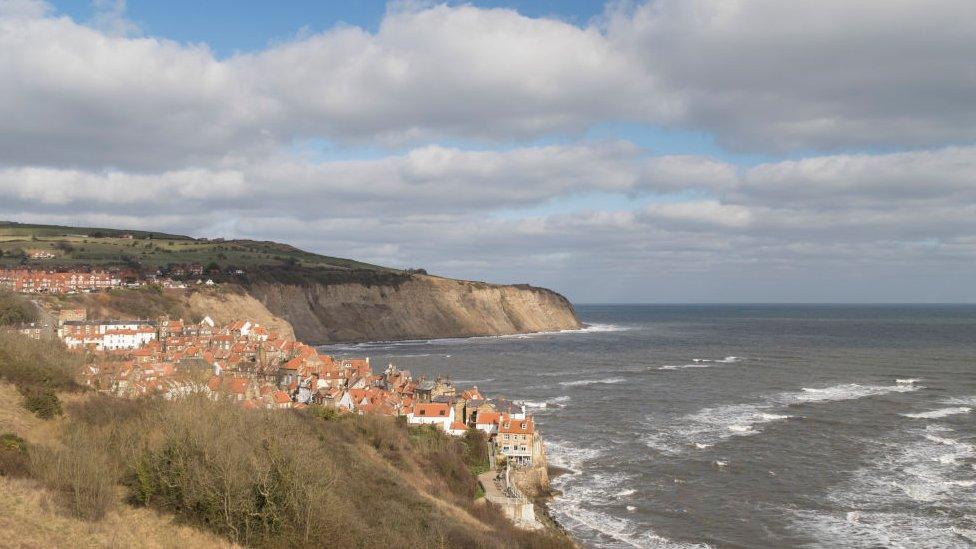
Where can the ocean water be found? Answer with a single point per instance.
(743, 426)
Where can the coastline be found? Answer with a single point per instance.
(544, 513)
(365, 344)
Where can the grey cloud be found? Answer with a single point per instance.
(763, 75)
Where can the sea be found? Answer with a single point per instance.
(742, 425)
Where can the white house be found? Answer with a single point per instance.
(127, 339)
(432, 413)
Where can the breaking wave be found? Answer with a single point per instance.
(847, 391)
(585, 505)
(940, 413)
(886, 503)
(557, 402)
(707, 427)
(583, 382)
(952, 406)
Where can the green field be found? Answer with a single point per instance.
(147, 251)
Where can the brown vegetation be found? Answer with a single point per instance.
(38, 369)
(147, 302)
(14, 309)
(276, 478)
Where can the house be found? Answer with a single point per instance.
(487, 422)
(457, 429)
(429, 413)
(425, 389)
(516, 440)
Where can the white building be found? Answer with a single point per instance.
(432, 413)
(107, 335)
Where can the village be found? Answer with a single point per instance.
(255, 367)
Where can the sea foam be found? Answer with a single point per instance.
(886, 501)
(584, 382)
(709, 426)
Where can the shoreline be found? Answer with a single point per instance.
(585, 328)
(542, 504)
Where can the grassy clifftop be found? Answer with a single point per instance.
(72, 246)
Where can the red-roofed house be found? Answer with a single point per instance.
(432, 413)
(516, 438)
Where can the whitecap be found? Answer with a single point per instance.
(940, 413)
(846, 391)
(887, 499)
(545, 404)
(683, 366)
(907, 381)
(583, 382)
(712, 425)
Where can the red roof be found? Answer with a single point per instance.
(517, 426)
(432, 409)
(488, 418)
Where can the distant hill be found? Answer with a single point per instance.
(148, 250)
(325, 299)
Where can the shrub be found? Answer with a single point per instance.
(14, 309)
(42, 402)
(13, 456)
(475, 450)
(28, 363)
(322, 412)
(273, 478)
(80, 471)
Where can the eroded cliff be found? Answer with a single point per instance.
(412, 307)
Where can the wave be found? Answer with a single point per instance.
(683, 366)
(583, 382)
(702, 363)
(570, 456)
(555, 401)
(908, 381)
(473, 381)
(940, 413)
(586, 508)
(887, 502)
(710, 426)
(847, 391)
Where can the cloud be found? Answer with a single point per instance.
(423, 180)
(813, 74)
(100, 126)
(760, 76)
(109, 17)
(895, 214)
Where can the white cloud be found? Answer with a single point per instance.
(761, 75)
(99, 127)
(827, 74)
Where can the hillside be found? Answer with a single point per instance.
(324, 299)
(149, 251)
(100, 471)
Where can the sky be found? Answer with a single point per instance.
(658, 151)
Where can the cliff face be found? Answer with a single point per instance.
(226, 307)
(419, 307)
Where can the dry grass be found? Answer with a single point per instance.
(30, 517)
(277, 479)
(14, 418)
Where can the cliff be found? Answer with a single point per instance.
(411, 307)
(326, 299)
